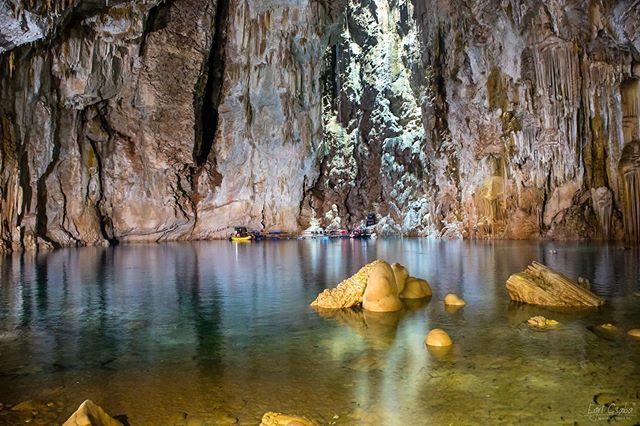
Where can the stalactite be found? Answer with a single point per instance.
(602, 200)
(12, 63)
(630, 172)
(630, 93)
(557, 72)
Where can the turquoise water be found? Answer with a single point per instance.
(220, 333)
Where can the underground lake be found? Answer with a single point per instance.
(207, 333)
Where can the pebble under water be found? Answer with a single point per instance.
(220, 333)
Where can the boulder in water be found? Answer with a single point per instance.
(401, 274)
(416, 288)
(91, 414)
(375, 286)
(634, 332)
(541, 322)
(438, 337)
(349, 292)
(381, 293)
(607, 327)
(540, 285)
(453, 300)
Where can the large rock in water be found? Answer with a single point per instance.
(91, 414)
(416, 288)
(401, 275)
(374, 286)
(540, 285)
(349, 292)
(381, 293)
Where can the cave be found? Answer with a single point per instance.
(180, 179)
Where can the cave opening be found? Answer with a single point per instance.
(374, 89)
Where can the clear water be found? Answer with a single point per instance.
(219, 333)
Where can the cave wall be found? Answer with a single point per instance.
(155, 120)
(534, 94)
(151, 121)
(525, 108)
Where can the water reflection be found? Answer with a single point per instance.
(184, 319)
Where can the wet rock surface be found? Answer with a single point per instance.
(91, 414)
(375, 287)
(416, 288)
(540, 285)
(381, 293)
(541, 322)
(278, 419)
(438, 337)
(453, 300)
(349, 292)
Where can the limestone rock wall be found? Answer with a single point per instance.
(155, 120)
(483, 119)
(541, 100)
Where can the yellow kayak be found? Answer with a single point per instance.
(247, 238)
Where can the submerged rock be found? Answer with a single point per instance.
(541, 322)
(91, 414)
(606, 398)
(540, 285)
(27, 405)
(634, 332)
(452, 309)
(607, 327)
(278, 419)
(438, 337)
(453, 300)
(416, 288)
(439, 352)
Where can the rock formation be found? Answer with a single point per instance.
(156, 120)
(607, 327)
(375, 287)
(349, 292)
(453, 300)
(541, 322)
(401, 275)
(438, 337)
(90, 414)
(540, 285)
(381, 293)
(278, 419)
(630, 172)
(416, 288)
(167, 120)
